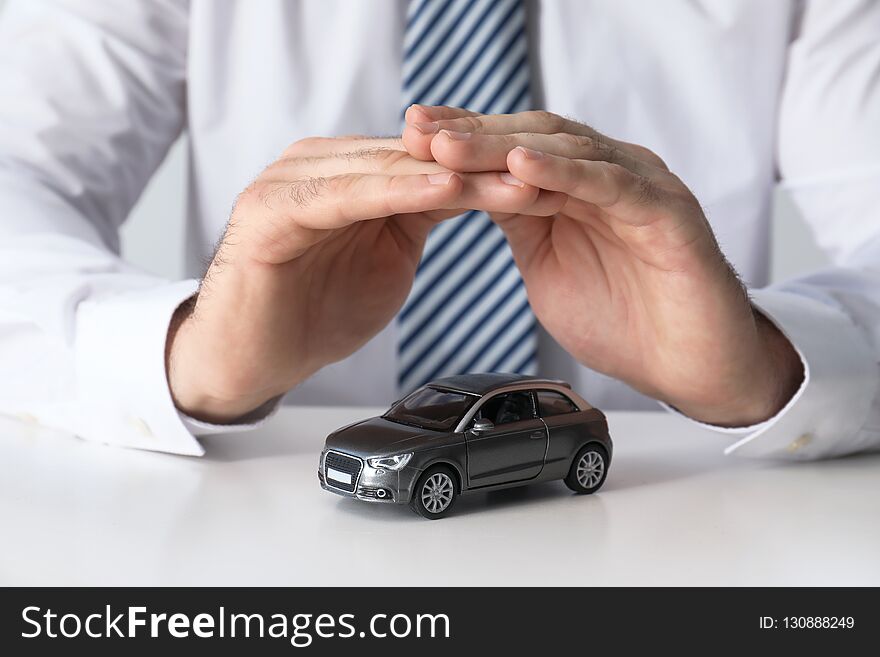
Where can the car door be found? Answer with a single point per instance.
(568, 428)
(513, 449)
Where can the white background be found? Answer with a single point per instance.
(153, 236)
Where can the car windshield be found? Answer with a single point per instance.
(431, 408)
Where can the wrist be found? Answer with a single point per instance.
(784, 369)
(768, 376)
(201, 384)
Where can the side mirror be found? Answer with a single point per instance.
(482, 425)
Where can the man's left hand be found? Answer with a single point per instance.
(622, 268)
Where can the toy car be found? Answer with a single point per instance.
(467, 433)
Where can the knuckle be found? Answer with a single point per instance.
(470, 124)
(255, 190)
(605, 149)
(552, 122)
(647, 155)
(303, 147)
(287, 163)
(615, 155)
(389, 157)
(300, 193)
(577, 141)
(682, 197)
(339, 185)
(610, 152)
(509, 142)
(396, 184)
(646, 191)
(616, 174)
(382, 155)
(614, 179)
(253, 193)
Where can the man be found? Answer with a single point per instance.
(605, 266)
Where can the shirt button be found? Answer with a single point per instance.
(799, 443)
(140, 426)
(27, 418)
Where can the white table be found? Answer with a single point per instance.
(673, 511)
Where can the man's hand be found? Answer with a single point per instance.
(318, 256)
(627, 274)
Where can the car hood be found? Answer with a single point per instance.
(380, 437)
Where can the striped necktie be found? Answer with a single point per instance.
(468, 310)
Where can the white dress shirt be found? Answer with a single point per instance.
(735, 95)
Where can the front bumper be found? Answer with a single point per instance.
(373, 484)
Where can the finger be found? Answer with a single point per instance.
(417, 113)
(497, 192)
(327, 203)
(380, 160)
(467, 151)
(546, 204)
(537, 121)
(327, 146)
(337, 201)
(420, 126)
(612, 187)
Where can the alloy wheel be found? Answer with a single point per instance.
(590, 469)
(437, 492)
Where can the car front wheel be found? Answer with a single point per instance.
(588, 470)
(434, 493)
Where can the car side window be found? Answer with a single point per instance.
(507, 408)
(552, 403)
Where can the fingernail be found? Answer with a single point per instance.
(427, 127)
(512, 180)
(440, 178)
(416, 108)
(457, 136)
(530, 153)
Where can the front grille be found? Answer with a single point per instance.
(343, 463)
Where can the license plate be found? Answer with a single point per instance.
(336, 475)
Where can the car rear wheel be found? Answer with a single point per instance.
(434, 493)
(588, 469)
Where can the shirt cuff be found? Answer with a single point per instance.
(122, 393)
(841, 377)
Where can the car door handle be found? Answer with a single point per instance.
(536, 434)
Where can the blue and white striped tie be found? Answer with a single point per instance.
(468, 310)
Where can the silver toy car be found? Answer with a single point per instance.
(466, 433)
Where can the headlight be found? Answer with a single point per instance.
(395, 462)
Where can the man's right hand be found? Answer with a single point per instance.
(318, 256)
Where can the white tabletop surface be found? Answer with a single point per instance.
(673, 511)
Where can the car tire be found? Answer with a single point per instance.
(588, 469)
(435, 493)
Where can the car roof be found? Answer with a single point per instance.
(481, 384)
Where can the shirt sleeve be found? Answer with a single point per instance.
(93, 97)
(829, 162)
